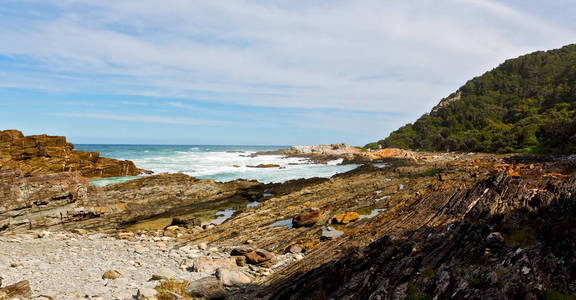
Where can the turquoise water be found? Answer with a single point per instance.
(221, 163)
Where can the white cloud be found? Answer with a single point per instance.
(144, 118)
(363, 55)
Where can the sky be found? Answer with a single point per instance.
(250, 72)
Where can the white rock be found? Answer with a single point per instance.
(146, 294)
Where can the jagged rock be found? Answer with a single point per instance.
(307, 219)
(345, 218)
(232, 277)
(43, 154)
(208, 287)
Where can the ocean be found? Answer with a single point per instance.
(218, 162)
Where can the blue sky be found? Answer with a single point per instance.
(252, 72)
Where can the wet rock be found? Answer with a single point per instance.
(232, 277)
(186, 222)
(345, 218)
(112, 274)
(265, 166)
(208, 287)
(210, 265)
(307, 219)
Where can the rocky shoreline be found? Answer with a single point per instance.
(43, 154)
(324, 153)
(468, 226)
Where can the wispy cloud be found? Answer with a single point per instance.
(283, 54)
(144, 118)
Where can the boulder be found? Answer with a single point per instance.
(241, 251)
(258, 257)
(345, 218)
(232, 277)
(208, 288)
(210, 265)
(307, 219)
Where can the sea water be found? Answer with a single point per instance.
(221, 163)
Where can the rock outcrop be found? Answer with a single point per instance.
(43, 154)
(350, 155)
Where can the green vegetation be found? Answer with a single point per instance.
(552, 294)
(412, 293)
(527, 104)
(522, 238)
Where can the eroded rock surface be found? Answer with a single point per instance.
(43, 154)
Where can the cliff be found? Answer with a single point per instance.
(43, 154)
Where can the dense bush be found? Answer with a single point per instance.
(526, 104)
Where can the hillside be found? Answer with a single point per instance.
(526, 104)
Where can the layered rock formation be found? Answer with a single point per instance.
(42, 154)
(66, 201)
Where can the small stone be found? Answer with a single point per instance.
(232, 277)
(203, 246)
(141, 250)
(173, 228)
(125, 235)
(249, 242)
(44, 234)
(163, 274)
(79, 231)
(240, 260)
(295, 249)
(162, 245)
(16, 265)
(111, 274)
(146, 294)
